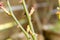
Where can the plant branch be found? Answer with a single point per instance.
(20, 26)
(29, 20)
(27, 14)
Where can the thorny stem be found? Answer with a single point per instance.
(20, 26)
(29, 20)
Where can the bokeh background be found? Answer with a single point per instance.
(45, 20)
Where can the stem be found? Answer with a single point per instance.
(20, 26)
(59, 3)
(29, 20)
(27, 14)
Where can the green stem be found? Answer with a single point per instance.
(20, 26)
(59, 3)
(29, 20)
(27, 14)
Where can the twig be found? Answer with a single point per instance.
(20, 26)
(6, 11)
(29, 20)
(27, 14)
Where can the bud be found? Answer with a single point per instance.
(32, 9)
(2, 7)
(1, 4)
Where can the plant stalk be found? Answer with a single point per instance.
(20, 26)
(29, 20)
